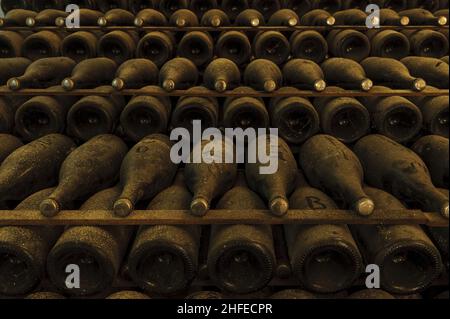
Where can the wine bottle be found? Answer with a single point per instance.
(346, 73)
(331, 166)
(135, 74)
(372, 294)
(33, 167)
(24, 250)
(118, 46)
(249, 18)
(145, 115)
(79, 46)
(16, 17)
(191, 108)
(440, 238)
(234, 7)
(234, 46)
(9, 5)
(317, 17)
(427, 43)
(295, 117)
(128, 295)
(157, 47)
(8, 107)
(209, 177)
(215, 18)
(276, 186)
(266, 7)
(241, 258)
(292, 294)
(350, 17)
(42, 115)
(391, 17)
(436, 115)
(328, 259)
(178, 74)
(168, 7)
(90, 73)
(98, 251)
(45, 17)
(398, 170)
(164, 259)
(196, 46)
(391, 73)
(43, 44)
(344, 118)
(221, 75)
(272, 46)
(88, 17)
(43, 73)
(433, 150)
(184, 18)
(200, 7)
(349, 44)
(418, 16)
(11, 44)
(310, 45)
(284, 17)
(245, 112)
(90, 168)
(394, 116)
(408, 260)
(263, 75)
(434, 71)
(116, 17)
(94, 115)
(9, 144)
(389, 44)
(146, 170)
(150, 17)
(304, 74)
(12, 67)
(136, 6)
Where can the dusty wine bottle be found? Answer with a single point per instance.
(328, 259)
(178, 74)
(33, 167)
(16, 17)
(145, 115)
(150, 17)
(245, 112)
(310, 45)
(272, 46)
(389, 44)
(90, 73)
(12, 67)
(119, 46)
(135, 74)
(434, 152)
(263, 75)
(346, 73)
(221, 75)
(419, 16)
(10, 44)
(164, 259)
(249, 18)
(43, 73)
(192, 108)
(284, 17)
(241, 258)
(94, 115)
(350, 17)
(157, 47)
(427, 43)
(116, 17)
(8, 107)
(317, 17)
(45, 17)
(215, 18)
(304, 74)
(42, 44)
(345, 118)
(146, 170)
(331, 166)
(234, 46)
(98, 251)
(88, 17)
(434, 71)
(398, 170)
(9, 143)
(23, 251)
(277, 186)
(295, 117)
(391, 17)
(349, 44)
(196, 46)
(42, 115)
(184, 18)
(88, 169)
(408, 260)
(79, 46)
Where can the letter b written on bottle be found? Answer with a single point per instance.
(373, 279)
(73, 278)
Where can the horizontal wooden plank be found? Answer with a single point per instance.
(169, 217)
(302, 93)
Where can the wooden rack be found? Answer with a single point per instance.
(218, 217)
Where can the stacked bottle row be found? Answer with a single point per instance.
(231, 7)
(240, 258)
(201, 47)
